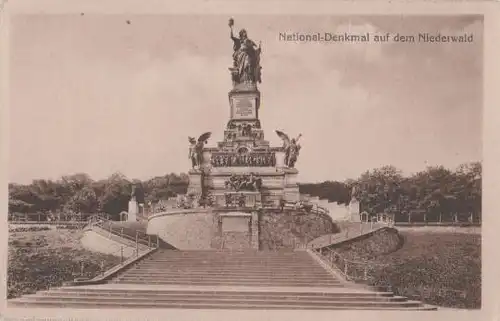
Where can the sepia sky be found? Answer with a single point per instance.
(95, 94)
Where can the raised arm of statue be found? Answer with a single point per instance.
(233, 38)
(236, 41)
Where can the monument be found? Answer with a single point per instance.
(243, 170)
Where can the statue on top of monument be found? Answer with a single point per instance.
(246, 58)
(354, 191)
(291, 148)
(133, 194)
(196, 149)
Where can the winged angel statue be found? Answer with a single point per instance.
(291, 147)
(196, 149)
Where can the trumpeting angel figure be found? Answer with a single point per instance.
(291, 147)
(196, 149)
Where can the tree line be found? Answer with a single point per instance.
(434, 194)
(79, 193)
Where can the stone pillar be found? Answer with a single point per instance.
(290, 185)
(280, 159)
(354, 210)
(133, 209)
(195, 184)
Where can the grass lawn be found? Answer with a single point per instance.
(438, 266)
(42, 259)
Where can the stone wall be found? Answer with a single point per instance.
(98, 240)
(185, 229)
(205, 229)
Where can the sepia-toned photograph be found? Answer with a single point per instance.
(245, 162)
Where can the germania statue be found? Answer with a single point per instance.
(246, 58)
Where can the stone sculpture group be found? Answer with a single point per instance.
(245, 182)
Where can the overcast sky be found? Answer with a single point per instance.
(95, 94)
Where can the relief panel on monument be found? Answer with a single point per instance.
(243, 160)
(244, 131)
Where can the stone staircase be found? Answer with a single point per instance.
(255, 268)
(222, 280)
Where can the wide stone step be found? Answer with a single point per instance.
(227, 268)
(229, 255)
(217, 299)
(229, 265)
(233, 265)
(232, 294)
(261, 283)
(226, 260)
(139, 272)
(299, 267)
(234, 260)
(223, 277)
(228, 252)
(246, 268)
(267, 273)
(229, 280)
(216, 291)
(409, 305)
(228, 276)
(223, 296)
(229, 262)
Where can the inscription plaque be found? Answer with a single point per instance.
(235, 224)
(244, 107)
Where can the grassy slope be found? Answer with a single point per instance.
(371, 247)
(437, 267)
(283, 230)
(43, 259)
